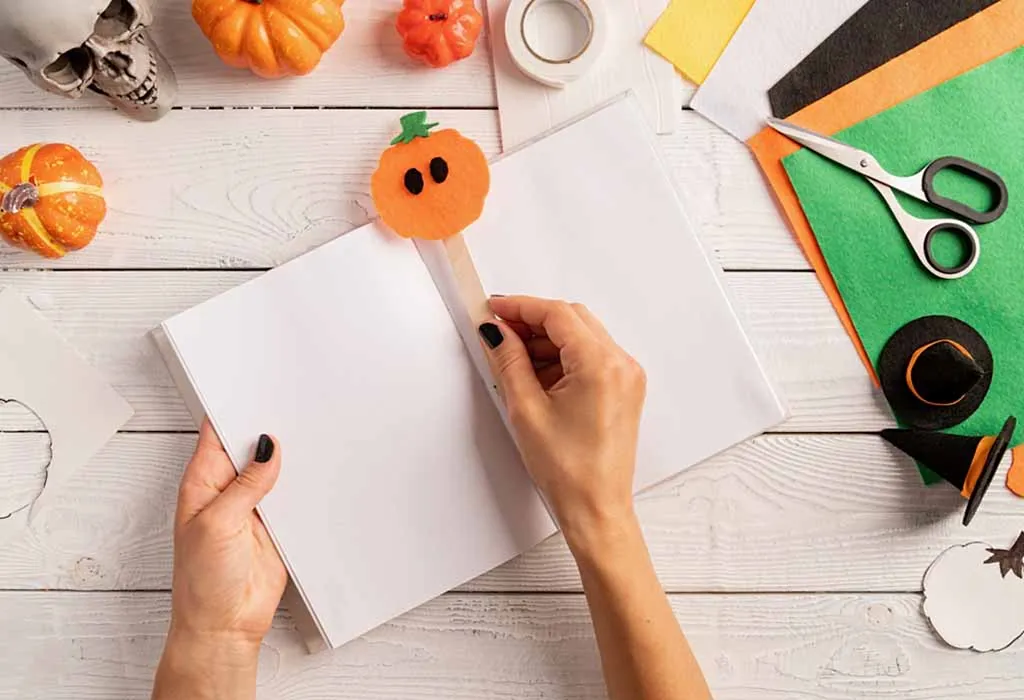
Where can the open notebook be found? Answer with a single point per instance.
(400, 480)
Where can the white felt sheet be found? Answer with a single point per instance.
(775, 36)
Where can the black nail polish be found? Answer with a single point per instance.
(491, 335)
(264, 450)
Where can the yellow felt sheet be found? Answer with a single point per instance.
(692, 34)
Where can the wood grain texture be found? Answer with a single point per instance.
(366, 67)
(254, 188)
(71, 647)
(106, 316)
(780, 513)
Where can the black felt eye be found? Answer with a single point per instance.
(414, 181)
(439, 170)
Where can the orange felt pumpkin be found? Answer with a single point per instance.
(430, 185)
(51, 199)
(439, 32)
(272, 38)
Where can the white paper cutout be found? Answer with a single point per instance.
(773, 38)
(42, 372)
(974, 596)
(26, 479)
(528, 109)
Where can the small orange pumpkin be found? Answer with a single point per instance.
(430, 185)
(272, 38)
(51, 199)
(439, 32)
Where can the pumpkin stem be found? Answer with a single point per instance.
(254, 2)
(438, 17)
(21, 196)
(414, 126)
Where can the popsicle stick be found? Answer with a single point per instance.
(471, 289)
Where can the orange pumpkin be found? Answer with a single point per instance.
(51, 199)
(439, 32)
(430, 185)
(272, 38)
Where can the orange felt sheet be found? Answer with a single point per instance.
(975, 41)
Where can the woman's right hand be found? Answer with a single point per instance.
(574, 399)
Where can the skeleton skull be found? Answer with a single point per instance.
(69, 46)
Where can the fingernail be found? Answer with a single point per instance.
(264, 450)
(491, 335)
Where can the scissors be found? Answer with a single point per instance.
(921, 233)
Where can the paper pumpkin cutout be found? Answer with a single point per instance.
(430, 185)
(24, 480)
(969, 463)
(974, 596)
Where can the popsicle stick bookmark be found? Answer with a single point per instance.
(432, 185)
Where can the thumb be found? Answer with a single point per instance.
(243, 494)
(510, 363)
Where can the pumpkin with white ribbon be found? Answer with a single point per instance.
(51, 199)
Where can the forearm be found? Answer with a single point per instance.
(643, 651)
(205, 669)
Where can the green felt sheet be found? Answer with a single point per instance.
(979, 116)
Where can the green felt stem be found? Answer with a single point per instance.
(976, 116)
(414, 125)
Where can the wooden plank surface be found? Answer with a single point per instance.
(254, 188)
(106, 315)
(467, 646)
(780, 513)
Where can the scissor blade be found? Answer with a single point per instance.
(838, 152)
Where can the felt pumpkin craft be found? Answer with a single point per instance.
(439, 32)
(430, 185)
(272, 38)
(51, 199)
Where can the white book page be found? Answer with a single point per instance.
(399, 479)
(590, 214)
(775, 36)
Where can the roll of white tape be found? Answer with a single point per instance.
(557, 68)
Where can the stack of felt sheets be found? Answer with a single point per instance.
(909, 81)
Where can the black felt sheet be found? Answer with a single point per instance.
(879, 32)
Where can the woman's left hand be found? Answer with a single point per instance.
(228, 578)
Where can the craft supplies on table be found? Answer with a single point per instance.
(922, 234)
(404, 427)
(974, 116)
(981, 38)
(878, 32)
(528, 108)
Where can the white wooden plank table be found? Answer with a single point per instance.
(794, 561)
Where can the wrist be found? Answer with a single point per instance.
(600, 534)
(199, 666)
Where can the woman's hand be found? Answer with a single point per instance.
(574, 398)
(228, 578)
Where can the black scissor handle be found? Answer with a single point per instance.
(990, 178)
(967, 237)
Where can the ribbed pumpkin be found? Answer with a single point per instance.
(439, 32)
(51, 199)
(272, 38)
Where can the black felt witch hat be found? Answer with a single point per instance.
(969, 463)
(935, 372)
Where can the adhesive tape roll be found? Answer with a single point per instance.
(556, 71)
